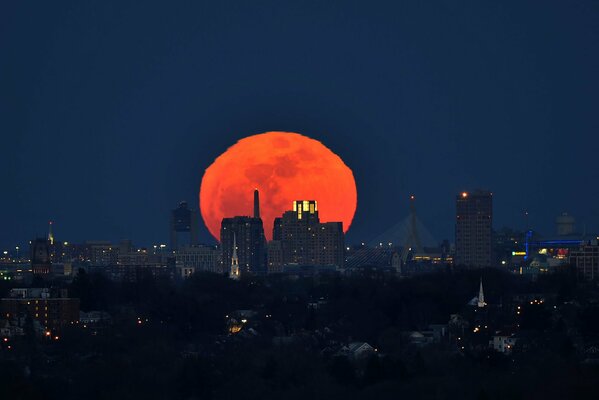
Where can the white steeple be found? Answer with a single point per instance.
(234, 271)
(481, 295)
(50, 234)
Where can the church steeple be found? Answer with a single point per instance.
(234, 271)
(481, 295)
(50, 234)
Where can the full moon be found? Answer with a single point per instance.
(283, 166)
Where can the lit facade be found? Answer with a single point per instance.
(307, 241)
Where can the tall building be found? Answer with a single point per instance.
(41, 263)
(246, 234)
(307, 241)
(274, 256)
(474, 223)
(184, 226)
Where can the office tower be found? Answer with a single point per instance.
(474, 223)
(246, 234)
(184, 226)
(274, 256)
(307, 241)
(40, 257)
(277, 233)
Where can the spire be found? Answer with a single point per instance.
(234, 271)
(256, 203)
(50, 234)
(481, 295)
(413, 239)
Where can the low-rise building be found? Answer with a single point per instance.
(53, 309)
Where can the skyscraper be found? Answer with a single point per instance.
(307, 241)
(184, 226)
(474, 224)
(246, 235)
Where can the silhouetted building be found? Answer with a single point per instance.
(53, 309)
(565, 225)
(102, 252)
(245, 236)
(275, 257)
(277, 233)
(137, 265)
(199, 258)
(40, 257)
(307, 241)
(474, 222)
(184, 226)
(586, 261)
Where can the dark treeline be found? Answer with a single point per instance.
(170, 341)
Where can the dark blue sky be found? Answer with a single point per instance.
(109, 113)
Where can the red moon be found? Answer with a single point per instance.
(283, 166)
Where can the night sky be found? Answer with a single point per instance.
(109, 113)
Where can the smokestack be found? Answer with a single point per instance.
(256, 204)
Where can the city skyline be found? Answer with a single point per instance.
(552, 224)
(414, 102)
(299, 199)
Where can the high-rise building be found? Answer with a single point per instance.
(246, 234)
(184, 226)
(307, 241)
(274, 256)
(474, 224)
